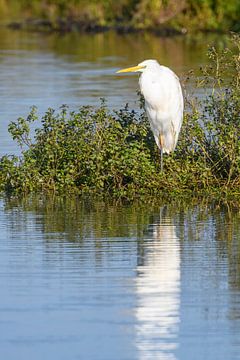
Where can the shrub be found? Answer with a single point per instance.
(88, 151)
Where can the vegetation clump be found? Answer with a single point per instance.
(98, 15)
(113, 152)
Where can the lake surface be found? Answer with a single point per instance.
(90, 280)
(84, 279)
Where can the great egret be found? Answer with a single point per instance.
(162, 92)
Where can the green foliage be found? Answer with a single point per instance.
(87, 151)
(98, 151)
(187, 14)
(211, 15)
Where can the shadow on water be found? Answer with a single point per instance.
(134, 281)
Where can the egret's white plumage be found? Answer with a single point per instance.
(162, 92)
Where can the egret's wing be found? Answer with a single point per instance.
(173, 98)
(176, 106)
(164, 104)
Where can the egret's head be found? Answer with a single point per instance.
(144, 65)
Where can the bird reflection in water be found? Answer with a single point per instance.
(158, 291)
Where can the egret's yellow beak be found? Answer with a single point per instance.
(131, 69)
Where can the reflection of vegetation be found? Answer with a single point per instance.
(98, 225)
(97, 151)
(216, 231)
(201, 14)
(75, 219)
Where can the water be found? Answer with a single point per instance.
(89, 280)
(84, 279)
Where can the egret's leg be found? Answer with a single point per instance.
(161, 159)
(161, 152)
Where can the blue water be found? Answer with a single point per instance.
(84, 280)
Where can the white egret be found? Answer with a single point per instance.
(162, 92)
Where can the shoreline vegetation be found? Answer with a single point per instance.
(163, 17)
(98, 151)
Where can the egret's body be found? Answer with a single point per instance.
(163, 102)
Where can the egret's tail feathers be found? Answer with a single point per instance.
(168, 142)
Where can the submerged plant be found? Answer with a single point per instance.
(102, 151)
